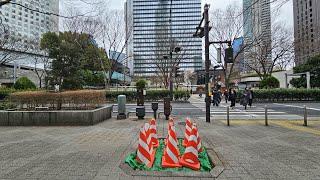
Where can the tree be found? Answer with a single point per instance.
(266, 55)
(71, 53)
(312, 66)
(24, 83)
(227, 24)
(269, 82)
(12, 46)
(107, 27)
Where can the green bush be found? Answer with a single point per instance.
(181, 95)
(5, 92)
(141, 84)
(152, 95)
(24, 83)
(73, 99)
(286, 95)
(269, 82)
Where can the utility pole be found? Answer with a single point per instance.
(204, 32)
(207, 61)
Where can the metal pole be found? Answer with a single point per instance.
(207, 62)
(305, 122)
(228, 116)
(266, 115)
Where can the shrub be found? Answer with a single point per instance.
(152, 95)
(24, 83)
(5, 92)
(72, 99)
(181, 95)
(141, 84)
(269, 83)
(287, 95)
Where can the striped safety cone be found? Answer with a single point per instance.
(170, 123)
(145, 152)
(190, 157)
(199, 145)
(153, 133)
(187, 132)
(170, 158)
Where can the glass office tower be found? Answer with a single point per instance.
(158, 26)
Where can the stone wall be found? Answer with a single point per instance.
(55, 118)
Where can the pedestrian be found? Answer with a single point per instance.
(245, 98)
(216, 97)
(250, 97)
(232, 97)
(226, 96)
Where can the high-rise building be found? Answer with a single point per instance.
(306, 29)
(157, 27)
(257, 29)
(27, 24)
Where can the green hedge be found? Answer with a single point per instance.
(5, 92)
(273, 95)
(152, 95)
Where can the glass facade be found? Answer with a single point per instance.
(256, 26)
(153, 34)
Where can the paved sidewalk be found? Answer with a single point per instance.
(249, 151)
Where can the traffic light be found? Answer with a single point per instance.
(176, 71)
(218, 55)
(228, 55)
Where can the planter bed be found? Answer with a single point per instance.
(55, 117)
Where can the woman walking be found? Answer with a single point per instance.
(245, 98)
(232, 97)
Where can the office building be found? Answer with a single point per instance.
(306, 29)
(157, 27)
(28, 24)
(257, 29)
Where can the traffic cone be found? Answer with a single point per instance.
(199, 145)
(187, 132)
(170, 123)
(190, 157)
(153, 133)
(170, 158)
(145, 152)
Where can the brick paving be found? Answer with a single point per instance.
(248, 151)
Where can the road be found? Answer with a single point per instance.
(196, 108)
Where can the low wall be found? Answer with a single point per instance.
(55, 118)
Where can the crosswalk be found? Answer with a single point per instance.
(239, 112)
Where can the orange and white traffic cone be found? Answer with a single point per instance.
(145, 152)
(170, 123)
(199, 145)
(190, 157)
(187, 132)
(153, 133)
(170, 158)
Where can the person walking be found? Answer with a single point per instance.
(216, 97)
(232, 97)
(250, 97)
(245, 98)
(226, 96)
